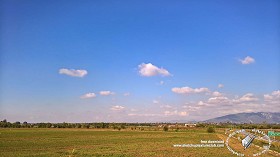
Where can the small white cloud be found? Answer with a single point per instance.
(218, 100)
(155, 101)
(267, 97)
(126, 94)
(192, 108)
(220, 86)
(133, 110)
(174, 113)
(201, 103)
(88, 95)
(151, 70)
(105, 93)
(273, 97)
(143, 115)
(117, 108)
(165, 106)
(73, 72)
(188, 90)
(217, 94)
(276, 93)
(247, 60)
(161, 82)
(183, 113)
(249, 97)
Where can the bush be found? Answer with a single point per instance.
(165, 128)
(210, 129)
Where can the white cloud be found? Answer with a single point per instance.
(168, 113)
(272, 98)
(216, 94)
(88, 95)
(276, 93)
(247, 60)
(151, 70)
(73, 72)
(117, 108)
(188, 90)
(105, 93)
(143, 115)
(175, 113)
(155, 101)
(201, 103)
(248, 98)
(220, 86)
(218, 100)
(161, 82)
(133, 110)
(227, 105)
(165, 106)
(267, 97)
(126, 94)
(192, 108)
(183, 113)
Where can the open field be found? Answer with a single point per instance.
(107, 142)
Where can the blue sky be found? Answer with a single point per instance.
(139, 61)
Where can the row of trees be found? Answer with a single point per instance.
(134, 126)
(5, 124)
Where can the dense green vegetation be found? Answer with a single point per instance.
(210, 129)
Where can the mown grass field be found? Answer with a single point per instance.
(94, 142)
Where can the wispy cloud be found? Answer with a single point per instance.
(220, 86)
(73, 72)
(247, 60)
(273, 98)
(126, 94)
(166, 106)
(88, 95)
(155, 101)
(218, 100)
(188, 90)
(117, 108)
(144, 115)
(216, 94)
(249, 97)
(175, 113)
(105, 93)
(149, 70)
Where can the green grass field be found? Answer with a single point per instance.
(94, 142)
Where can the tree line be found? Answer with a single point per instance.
(133, 126)
(5, 124)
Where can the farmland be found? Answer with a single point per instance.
(107, 142)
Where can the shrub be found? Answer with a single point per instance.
(165, 128)
(210, 129)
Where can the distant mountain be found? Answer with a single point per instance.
(259, 117)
